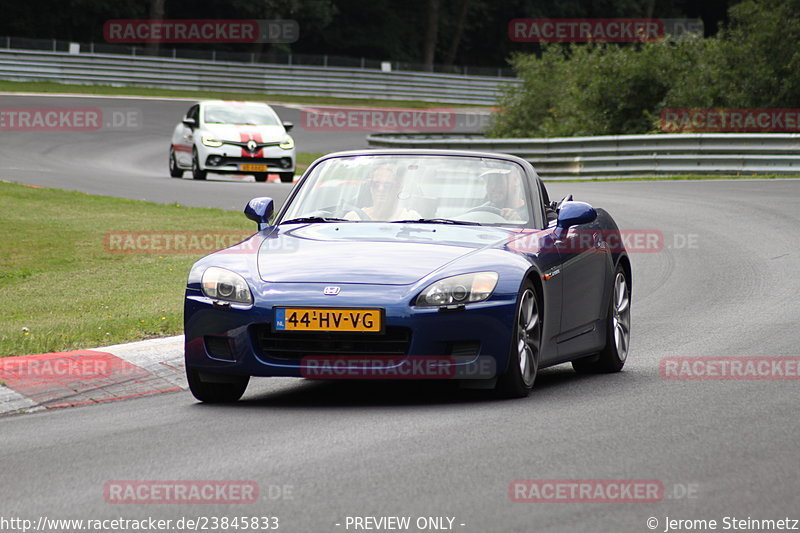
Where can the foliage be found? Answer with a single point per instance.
(573, 90)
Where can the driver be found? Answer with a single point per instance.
(503, 193)
(384, 186)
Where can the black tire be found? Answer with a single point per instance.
(261, 177)
(618, 324)
(197, 172)
(174, 170)
(217, 389)
(286, 177)
(517, 381)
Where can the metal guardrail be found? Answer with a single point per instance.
(627, 155)
(230, 53)
(168, 73)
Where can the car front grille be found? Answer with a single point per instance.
(280, 162)
(296, 344)
(256, 147)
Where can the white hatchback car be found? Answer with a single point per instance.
(234, 138)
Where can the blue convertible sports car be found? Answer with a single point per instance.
(411, 264)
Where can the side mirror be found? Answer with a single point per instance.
(573, 214)
(189, 122)
(288, 126)
(260, 210)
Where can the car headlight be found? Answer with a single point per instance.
(208, 141)
(455, 290)
(222, 284)
(287, 143)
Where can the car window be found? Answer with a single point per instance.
(193, 112)
(407, 187)
(549, 213)
(255, 115)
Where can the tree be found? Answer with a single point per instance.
(431, 33)
(615, 89)
(156, 13)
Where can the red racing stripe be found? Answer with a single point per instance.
(246, 136)
(182, 148)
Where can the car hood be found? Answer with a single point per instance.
(383, 253)
(230, 132)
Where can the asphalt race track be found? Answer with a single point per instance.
(131, 160)
(725, 283)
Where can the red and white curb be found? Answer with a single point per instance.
(81, 377)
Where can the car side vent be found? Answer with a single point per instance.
(465, 348)
(219, 347)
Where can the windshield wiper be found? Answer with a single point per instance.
(302, 220)
(436, 221)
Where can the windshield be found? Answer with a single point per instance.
(256, 115)
(392, 188)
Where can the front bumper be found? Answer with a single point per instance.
(473, 342)
(230, 159)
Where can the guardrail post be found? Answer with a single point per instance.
(325, 60)
(290, 60)
(213, 55)
(363, 62)
(55, 49)
(174, 53)
(91, 47)
(8, 42)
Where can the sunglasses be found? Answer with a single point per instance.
(375, 184)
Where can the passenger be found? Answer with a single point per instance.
(504, 193)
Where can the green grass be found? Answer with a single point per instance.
(690, 177)
(304, 159)
(63, 290)
(63, 88)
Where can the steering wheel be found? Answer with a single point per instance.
(346, 208)
(321, 213)
(487, 209)
(567, 198)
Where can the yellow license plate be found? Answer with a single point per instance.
(327, 319)
(248, 167)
